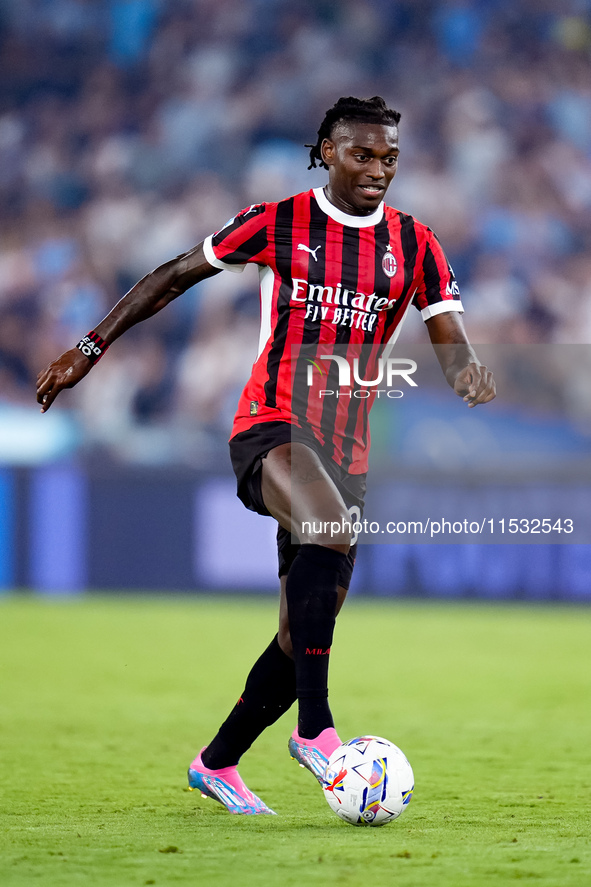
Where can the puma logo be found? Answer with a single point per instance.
(311, 251)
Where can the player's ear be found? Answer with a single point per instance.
(328, 151)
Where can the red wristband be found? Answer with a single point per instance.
(92, 346)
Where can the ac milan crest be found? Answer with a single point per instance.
(389, 262)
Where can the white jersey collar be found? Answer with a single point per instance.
(344, 218)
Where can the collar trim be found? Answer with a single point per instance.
(344, 218)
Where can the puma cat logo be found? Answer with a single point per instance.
(311, 251)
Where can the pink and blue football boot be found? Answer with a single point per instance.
(225, 786)
(314, 753)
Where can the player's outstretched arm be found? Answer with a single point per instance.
(145, 299)
(470, 379)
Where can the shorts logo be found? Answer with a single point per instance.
(389, 264)
(254, 407)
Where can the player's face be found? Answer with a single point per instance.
(362, 160)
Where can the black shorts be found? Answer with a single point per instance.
(247, 451)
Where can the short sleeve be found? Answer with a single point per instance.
(437, 288)
(243, 239)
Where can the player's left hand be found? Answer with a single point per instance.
(475, 384)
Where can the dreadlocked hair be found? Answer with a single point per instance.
(372, 110)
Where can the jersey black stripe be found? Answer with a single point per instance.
(432, 276)
(312, 327)
(383, 240)
(382, 283)
(410, 248)
(283, 253)
(251, 247)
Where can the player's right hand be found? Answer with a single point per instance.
(65, 372)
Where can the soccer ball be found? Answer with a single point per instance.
(368, 781)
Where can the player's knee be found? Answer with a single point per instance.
(335, 533)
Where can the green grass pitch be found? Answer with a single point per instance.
(104, 702)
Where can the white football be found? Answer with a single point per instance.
(368, 781)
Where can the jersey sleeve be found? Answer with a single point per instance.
(437, 288)
(243, 239)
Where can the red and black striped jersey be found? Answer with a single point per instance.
(328, 279)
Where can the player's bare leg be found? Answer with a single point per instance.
(300, 494)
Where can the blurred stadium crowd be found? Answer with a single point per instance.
(131, 129)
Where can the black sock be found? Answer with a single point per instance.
(311, 604)
(269, 692)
